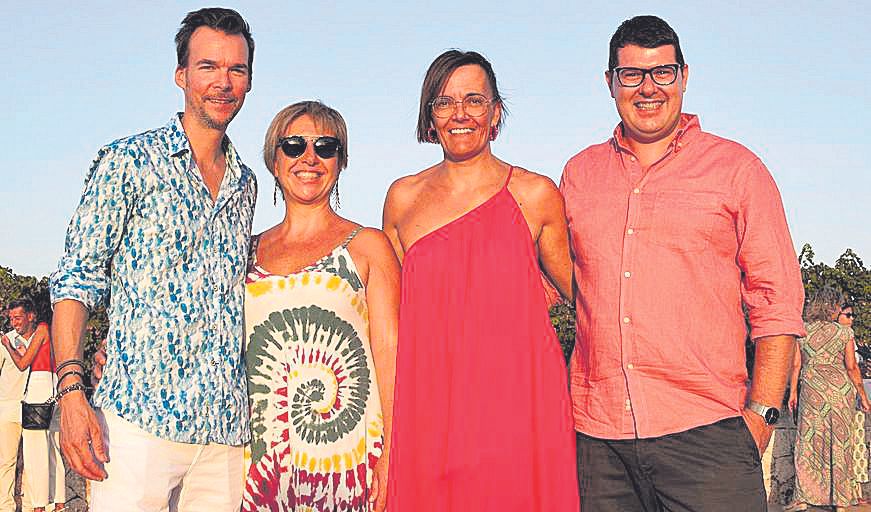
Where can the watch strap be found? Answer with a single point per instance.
(761, 409)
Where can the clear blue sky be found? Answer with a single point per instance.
(788, 79)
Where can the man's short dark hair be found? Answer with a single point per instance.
(227, 21)
(24, 303)
(646, 32)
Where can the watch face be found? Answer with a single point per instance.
(772, 415)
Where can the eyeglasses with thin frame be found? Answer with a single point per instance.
(664, 74)
(474, 105)
(324, 146)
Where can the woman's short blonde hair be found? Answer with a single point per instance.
(325, 118)
(823, 304)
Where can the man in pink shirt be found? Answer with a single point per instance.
(672, 231)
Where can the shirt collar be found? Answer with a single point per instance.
(178, 144)
(688, 127)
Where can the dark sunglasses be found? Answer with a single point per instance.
(294, 146)
(850, 315)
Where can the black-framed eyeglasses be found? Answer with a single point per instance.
(850, 315)
(665, 74)
(474, 105)
(324, 146)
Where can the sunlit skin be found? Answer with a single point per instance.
(650, 113)
(215, 79)
(22, 321)
(27, 327)
(470, 174)
(307, 179)
(843, 319)
(465, 138)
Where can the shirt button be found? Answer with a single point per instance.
(632, 158)
(630, 366)
(630, 231)
(626, 320)
(627, 274)
(636, 191)
(628, 405)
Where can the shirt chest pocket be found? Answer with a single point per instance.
(683, 221)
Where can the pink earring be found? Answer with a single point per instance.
(494, 132)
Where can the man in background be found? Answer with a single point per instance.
(11, 392)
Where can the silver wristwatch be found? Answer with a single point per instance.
(769, 414)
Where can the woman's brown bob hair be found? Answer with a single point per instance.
(823, 304)
(325, 118)
(436, 77)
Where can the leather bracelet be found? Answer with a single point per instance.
(78, 386)
(69, 362)
(67, 374)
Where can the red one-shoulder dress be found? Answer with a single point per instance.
(482, 416)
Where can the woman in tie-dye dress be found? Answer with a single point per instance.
(321, 309)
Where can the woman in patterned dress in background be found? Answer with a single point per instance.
(830, 383)
(321, 309)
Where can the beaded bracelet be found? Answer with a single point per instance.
(67, 374)
(69, 362)
(78, 386)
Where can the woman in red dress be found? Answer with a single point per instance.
(482, 417)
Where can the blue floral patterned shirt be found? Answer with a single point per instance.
(148, 235)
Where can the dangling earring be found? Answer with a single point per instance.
(336, 194)
(275, 193)
(494, 132)
(431, 136)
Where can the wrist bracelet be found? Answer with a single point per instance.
(78, 386)
(69, 362)
(67, 374)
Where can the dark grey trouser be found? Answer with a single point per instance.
(712, 468)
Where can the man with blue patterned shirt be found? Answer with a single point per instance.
(162, 230)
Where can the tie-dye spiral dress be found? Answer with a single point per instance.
(316, 421)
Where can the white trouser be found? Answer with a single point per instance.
(149, 474)
(10, 436)
(44, 475)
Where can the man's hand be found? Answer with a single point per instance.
(378, 492)
(81, 438)
(760, 430)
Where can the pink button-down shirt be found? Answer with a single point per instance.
(664, 259)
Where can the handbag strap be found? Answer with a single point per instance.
(30, 367)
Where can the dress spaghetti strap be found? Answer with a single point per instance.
(351, 237)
